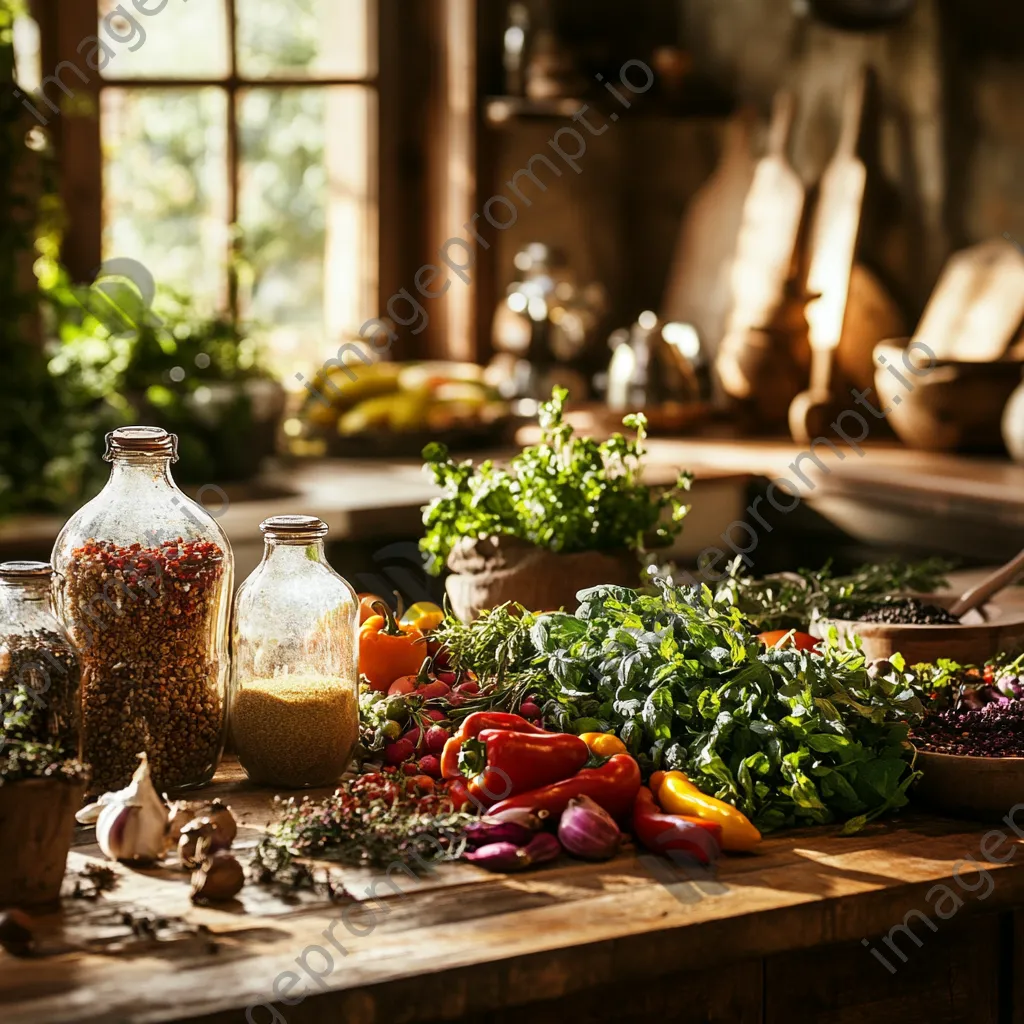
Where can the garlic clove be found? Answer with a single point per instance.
(199, 839)
(220, 877)
(223, 820)
(179, 814)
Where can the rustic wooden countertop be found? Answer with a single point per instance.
(465, 944)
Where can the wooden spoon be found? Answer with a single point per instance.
(991, 584)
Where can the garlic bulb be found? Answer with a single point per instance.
(132, 822)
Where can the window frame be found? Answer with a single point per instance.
(78, 146)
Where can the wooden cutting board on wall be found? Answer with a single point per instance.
(698, 289)
(833, 247)
(772, 213)
(977, 307)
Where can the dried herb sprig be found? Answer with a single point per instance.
(369, 822)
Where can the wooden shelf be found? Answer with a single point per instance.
(500, 111)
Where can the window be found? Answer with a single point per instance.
(236, 155)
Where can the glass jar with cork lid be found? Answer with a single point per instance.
(145, 591)
(40, 675)
(295, 680)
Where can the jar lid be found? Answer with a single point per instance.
(292, 525)
(25, 571)
(140, 440)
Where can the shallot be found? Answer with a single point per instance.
(509, 857)
(587, 830)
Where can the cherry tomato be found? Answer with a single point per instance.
(782, 638)
(406, 684)
(434, 689)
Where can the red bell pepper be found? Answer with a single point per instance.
(502, 763)
(660, 832)
(613, 786)
(471, 727)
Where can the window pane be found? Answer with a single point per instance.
(308, 217)
(304, 38)
(165, 185)
(176, 40)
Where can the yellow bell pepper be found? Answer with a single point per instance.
(604, 744)
(423, 615)
(678, 795)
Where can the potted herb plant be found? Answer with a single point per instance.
(40, 790)
(565, 514)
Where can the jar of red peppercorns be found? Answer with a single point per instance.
(146, 579)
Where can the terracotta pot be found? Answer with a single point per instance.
(493, 570)
(37, 823)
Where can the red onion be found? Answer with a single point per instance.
(588, 830)
(509, 857)
(485, 832)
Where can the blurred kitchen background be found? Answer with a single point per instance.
(773, 204)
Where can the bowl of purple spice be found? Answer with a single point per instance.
(921, 628)
(971, 752)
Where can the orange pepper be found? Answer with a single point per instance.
(366, 602)
(604, 744)
(388, 651)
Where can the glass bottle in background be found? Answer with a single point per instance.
(40, 675)
(145, 593)
(295, 680)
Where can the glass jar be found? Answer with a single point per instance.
(295, 682)
(40, 675)
(145, 592)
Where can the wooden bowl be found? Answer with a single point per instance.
(985, 632)
(986, 788)
(949, 406)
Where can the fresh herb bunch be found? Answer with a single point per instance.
(24, 759)
(790, 737)
(566, 494)
(371, 821)
(793, 600)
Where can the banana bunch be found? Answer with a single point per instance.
(401, 398)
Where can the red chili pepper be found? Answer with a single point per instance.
(502, 763)
(613, 786)
(660, 832)
(471, 727)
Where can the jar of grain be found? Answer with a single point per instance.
(40, 675)
(294, 692)
(145, 591)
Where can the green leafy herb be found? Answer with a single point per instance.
(565, 494)
(792, 600)
(790, 737)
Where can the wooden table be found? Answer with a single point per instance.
(789, 934)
